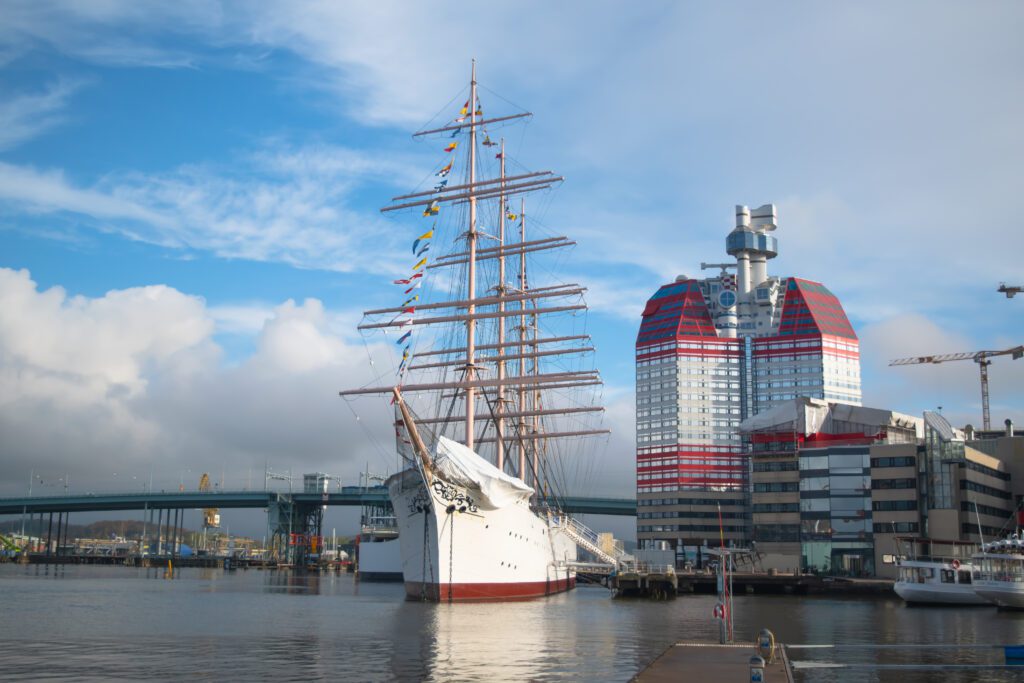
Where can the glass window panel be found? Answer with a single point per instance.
(847, 460)
(852, 484)
(814, 504)
(816, 462)
(814, 484)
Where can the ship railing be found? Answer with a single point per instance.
(633, 566)
(587, 567)
(944, 559)
(588, 539)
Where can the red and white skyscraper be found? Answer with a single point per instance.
(713, 351)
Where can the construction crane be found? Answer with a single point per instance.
(1009, 290)
(979, 357)
(211, 516)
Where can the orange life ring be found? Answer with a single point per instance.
(955, 564)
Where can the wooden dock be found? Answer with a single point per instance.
(706, 661)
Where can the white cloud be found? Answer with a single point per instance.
(240, 318)
(49, 191)
(132, 380)
(295, 206)
(953, 385)
(27, 115)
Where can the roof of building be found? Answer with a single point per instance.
(810, 308)
(808, 416)
(941, 425)
(676, 310)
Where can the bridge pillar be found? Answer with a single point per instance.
(49, 535)
(295, 529)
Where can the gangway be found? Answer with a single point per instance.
(585, 538)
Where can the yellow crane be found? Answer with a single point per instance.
(979, 357)
(211, 516)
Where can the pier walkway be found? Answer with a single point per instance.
(703, 661)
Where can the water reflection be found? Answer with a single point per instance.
(104, 622)
(292, 582)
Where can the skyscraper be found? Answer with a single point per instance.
(713, 351)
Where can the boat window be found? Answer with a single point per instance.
(948, 576)
(925, 573)
(965, 577)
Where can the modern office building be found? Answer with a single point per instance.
(846, 489)
(712, 352)
(819, 489)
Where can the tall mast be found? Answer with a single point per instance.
(514, 392)
(499, 421)
(522, 336)
(471, 287)
(537, 405)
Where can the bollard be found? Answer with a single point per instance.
(756, 669)
(766, 645)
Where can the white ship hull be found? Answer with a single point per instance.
(454, 550)
(937, 582)
(1000, 575)
(1002, 593)
(937, 594)
(380, 561)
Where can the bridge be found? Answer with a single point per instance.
(294, 519)
(348, 495)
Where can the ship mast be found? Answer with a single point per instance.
(522, 338)
(471, 238)
(515, 390)
(499, 422)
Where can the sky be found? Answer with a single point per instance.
(189, 197)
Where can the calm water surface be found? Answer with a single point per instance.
(80, 622)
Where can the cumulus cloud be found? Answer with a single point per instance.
(953, 385)
(133, 380)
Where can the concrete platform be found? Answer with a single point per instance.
(704, 661)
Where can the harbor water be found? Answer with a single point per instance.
(93, 623)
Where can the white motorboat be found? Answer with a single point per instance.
(999, 572)
(937, 581)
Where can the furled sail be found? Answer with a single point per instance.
(460, 465)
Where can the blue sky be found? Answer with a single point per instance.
(189, 195)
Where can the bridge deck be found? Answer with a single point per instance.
(348, 495)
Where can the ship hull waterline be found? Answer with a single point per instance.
(455, 550)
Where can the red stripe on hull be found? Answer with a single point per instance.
(482, 592)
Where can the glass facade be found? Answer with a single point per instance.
(944, 453)
(835, 510)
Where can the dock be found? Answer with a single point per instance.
(706, 661)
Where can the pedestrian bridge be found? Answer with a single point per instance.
(348, 495)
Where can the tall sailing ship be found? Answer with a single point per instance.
(494, 385)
